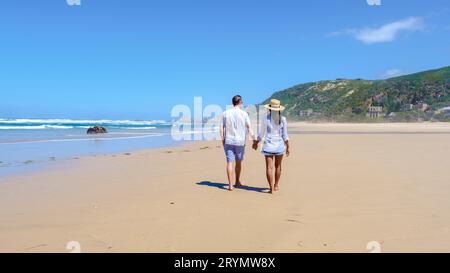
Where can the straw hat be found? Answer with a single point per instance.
(274, 105)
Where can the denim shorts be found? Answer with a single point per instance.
(234, 153)
(273, 148)
(272, 154)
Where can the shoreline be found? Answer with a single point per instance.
(33, 155)
(28, 166)
(58, 163)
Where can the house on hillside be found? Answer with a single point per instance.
(306, 113)
(375, 111)
(407, 107)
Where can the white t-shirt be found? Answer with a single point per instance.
(236, 121)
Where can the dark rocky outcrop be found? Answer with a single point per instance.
(97, 129)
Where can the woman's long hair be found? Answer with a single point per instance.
(279, 116)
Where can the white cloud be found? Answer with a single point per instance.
(393, 73)
(384, 33)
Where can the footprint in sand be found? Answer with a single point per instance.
(33, 247)
(127, 153)
(294, 221)
(186, 151)
(204, 148)
(98, 240)
(168, 152)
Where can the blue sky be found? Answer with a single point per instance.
(136, 59)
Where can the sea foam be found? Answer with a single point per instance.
(39, 124)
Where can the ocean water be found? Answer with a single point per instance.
(31, 144)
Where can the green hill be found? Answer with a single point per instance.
(407, 98)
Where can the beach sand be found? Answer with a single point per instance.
(342, 187)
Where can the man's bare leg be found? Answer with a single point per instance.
(238, 169)
(230, 175)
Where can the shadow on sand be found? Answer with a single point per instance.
(224, 186)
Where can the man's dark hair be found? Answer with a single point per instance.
(237, 100)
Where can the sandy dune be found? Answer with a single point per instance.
(342, 187)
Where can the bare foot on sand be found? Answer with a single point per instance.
(238, 184)
(276, 188)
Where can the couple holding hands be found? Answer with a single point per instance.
(273, 134)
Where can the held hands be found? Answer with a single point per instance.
(255, 145)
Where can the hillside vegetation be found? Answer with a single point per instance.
(419, 96)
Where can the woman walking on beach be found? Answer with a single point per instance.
(273, 133)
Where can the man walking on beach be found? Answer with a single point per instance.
(236, 124)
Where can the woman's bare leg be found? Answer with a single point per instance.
(269, 172)
(278, 161)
